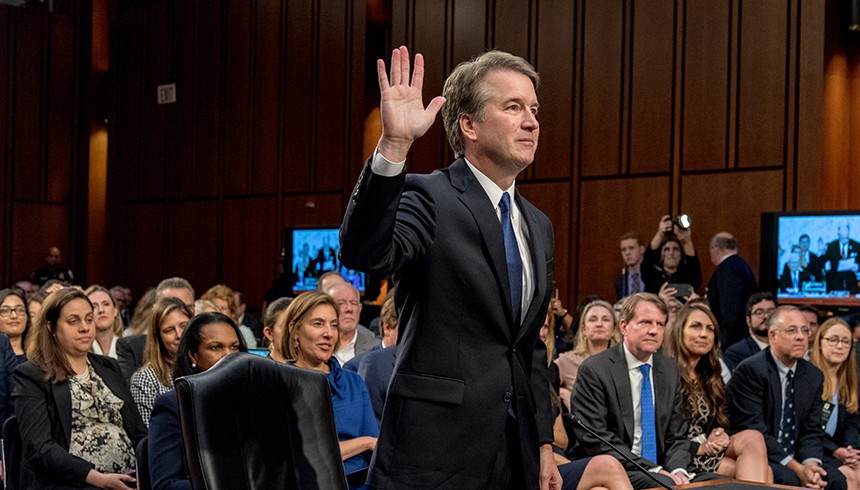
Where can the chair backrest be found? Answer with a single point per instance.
(141, 454)
(252, 423)
(12, 454)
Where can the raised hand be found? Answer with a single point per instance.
(404, 117)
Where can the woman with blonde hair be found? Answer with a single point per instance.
(309, 341)
(598, 330)
(107, 319)
(167, 321)
(224, 299)
(833, 353)
(693, 341)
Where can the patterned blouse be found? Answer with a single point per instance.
(98, 433)
(145, 388)
(700, 416)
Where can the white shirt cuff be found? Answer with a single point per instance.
(786, 460)
(811, 460)
(385, 168)
(689, 476)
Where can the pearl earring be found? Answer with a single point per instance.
(194, 365)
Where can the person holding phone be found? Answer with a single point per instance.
(671, 258)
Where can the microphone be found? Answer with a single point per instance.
(577, 421)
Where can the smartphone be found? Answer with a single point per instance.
(682, 290)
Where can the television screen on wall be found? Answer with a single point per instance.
(311, 252)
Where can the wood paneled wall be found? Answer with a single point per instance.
(648, 107)
(265, 133)
(44, 62)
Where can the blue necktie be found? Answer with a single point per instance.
(512, 256)
(649, 435)
(787, 430)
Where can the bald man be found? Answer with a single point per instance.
(731, 285)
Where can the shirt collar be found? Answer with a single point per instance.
(782, 368)
(733, 252)
(632, 361)
(493, 191)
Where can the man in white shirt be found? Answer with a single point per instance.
(354, 338)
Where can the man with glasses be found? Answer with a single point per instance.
(778, 393)
(759, 307)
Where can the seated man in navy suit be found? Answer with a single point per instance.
(778, 393)
(388, 327)
(375, 367)
(759, 307)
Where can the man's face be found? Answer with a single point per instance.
(843, 232)
(183, 294)
(811, 323)
(794, 263)
(631, 252)
(53, 257)
(757, 319)
(508, 134)
(348, 303)
(790, 339)
(671, 255)
(240, 305)
(804, 244)
(643, 334)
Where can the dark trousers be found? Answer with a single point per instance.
(508, 471)
(782, 475)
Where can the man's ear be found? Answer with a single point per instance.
(467, 127)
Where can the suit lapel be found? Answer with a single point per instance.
(775, 390)
(621, 380)
(472, 195)
(62, 394)
(663, 399)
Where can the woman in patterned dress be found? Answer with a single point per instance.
(79, 425)
(694, 342)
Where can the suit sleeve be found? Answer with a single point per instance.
(732, 295)
(125, 357)
(746, 392)
(41, 453)
(9, 363)
(540, 388)
(166, 459)
(677, 443)
(371, 373)
(589, 403)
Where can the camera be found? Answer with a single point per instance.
(682, 221)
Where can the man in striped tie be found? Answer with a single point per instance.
(630, 395)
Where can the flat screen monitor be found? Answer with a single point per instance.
(811, 258)
(313, 251)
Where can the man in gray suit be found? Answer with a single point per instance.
(631, 396)
(354, 338)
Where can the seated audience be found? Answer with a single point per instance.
(694, 343)
(778, 394)
(167, 320)
(388, 327)
(759, 308)
(207, 338)
(376, 366)
(310, 339)
(670, 258)
(598, 331)
(833, 354)
(273, 327)
(223, 298)
(79, 425)
(15, 321)
(107, 320)
(630, 395)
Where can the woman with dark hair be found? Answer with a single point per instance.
(167, 320)
(78, 422)
(273, 327)
(309, 341)
(670, 258)
(833, 353)
(34, 304)
(107, 320)
(15, 323)
(693, 341)
(208, 337)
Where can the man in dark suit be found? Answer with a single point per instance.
(468, 405)
(630, 281)
(388, 321)
(777, 393)
(254, 324)
(631, 396)
(809, 261)
(759, 308)
(731, 285)
(843, 248)
(793, 276)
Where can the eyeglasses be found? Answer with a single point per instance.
(834, 341)
(792, 331)
(6, 311)
(763, 312)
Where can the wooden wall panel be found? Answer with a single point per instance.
(705, 120)
(5, 74)
(60, 109)
(810, 137)
(237, 67)
(554, 61)
(208, 127)
(250, 246)
(600, 95)
(299, 93)
(28, 108)
(312, 210)
(762, 83)
(156, 117)
(608, 209)
(30, 243)
(127, 160)
(731, 202)
(181, 131)
(192, 243)
(140, 254)
(511, 26)
(553, 198)
(266, 103)
(332, 123)
(469, 28)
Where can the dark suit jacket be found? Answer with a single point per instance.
(44, 413)
(622, 289)
(735, 354)
(462, 358)
(375, 369)
(730, 287)
(255, 325)
(602, 398)
(785, 281)
(8, 363)
(846, 433)
(129, 353)
(755, 402)
(841, 280)
(167, 467)
(352, 364)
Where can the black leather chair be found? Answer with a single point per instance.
(251, 423)
(12, 454)
(141, 454)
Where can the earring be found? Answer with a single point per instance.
(194, 365)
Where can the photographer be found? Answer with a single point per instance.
(670, 257)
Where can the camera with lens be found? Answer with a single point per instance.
(682, 221)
